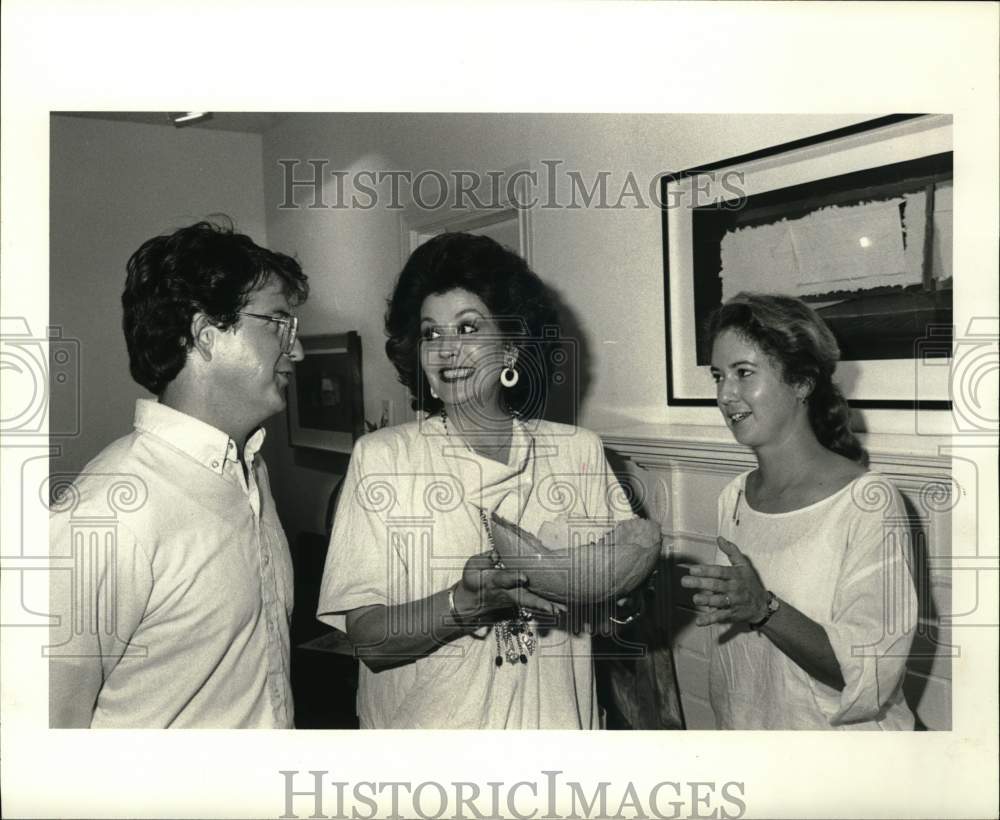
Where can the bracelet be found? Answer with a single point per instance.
(628, 620)
(632, 616)
(452, 609)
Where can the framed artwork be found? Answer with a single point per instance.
(325, 397)
(856, 222)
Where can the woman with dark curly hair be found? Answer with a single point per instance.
(449, 637)
(814, 611)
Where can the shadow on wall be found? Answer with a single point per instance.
(930, 647)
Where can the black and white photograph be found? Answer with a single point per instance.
(426, 423)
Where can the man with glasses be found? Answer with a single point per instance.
(177, 614)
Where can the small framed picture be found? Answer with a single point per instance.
(325, 397)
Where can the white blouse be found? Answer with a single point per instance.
(408, 520)
(844, 562)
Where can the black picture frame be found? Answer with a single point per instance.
(325, 394)
(875, 159)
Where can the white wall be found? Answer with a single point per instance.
(112, 186)
(606, 263)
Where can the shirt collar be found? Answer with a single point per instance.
(488, 483)
(204, 443)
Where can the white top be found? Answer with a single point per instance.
(844, 562)
(407, 521)
(186, 583)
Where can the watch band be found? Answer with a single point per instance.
(773, 604)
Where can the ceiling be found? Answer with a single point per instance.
(249, 122)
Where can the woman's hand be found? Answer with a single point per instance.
(485, 590)
(733, 594)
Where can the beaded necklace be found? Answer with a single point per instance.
(515, 638)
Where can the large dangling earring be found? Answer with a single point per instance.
(509, 376)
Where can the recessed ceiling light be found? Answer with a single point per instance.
(182, 118)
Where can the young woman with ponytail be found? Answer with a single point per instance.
(811, 600)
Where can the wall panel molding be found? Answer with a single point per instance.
(690, 466)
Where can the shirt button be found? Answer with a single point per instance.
(267, 559)
(215, 464)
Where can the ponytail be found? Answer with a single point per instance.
(831, 421)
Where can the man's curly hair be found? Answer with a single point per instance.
(205, 268)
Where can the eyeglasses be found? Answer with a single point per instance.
(289, 328)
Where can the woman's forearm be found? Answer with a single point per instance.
(387, 636)
(806, 643)
(737, 594)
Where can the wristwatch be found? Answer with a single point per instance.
(773, 605)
